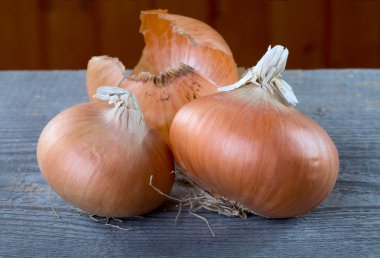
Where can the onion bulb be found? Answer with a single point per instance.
(249, 145)
(100, 158)
(183, 59)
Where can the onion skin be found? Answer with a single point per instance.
(247, 147)
(172, 39)
(183, 59)
(103, 71)
(102, 165)
(160, 97)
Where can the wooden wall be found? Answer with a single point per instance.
(64, 34)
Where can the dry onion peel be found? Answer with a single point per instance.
(267, 74)
(250, 146)
(99, 158)
(103, 70)
(183, 59)
(160, 96)
(172, 39)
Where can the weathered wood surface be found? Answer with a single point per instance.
(345, 102)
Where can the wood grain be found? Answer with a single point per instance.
(349, 27)
(20, 39)
(64, 34)
(345, 102)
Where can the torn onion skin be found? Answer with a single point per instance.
(172, 39)
(183, 59)
(101, 160)
(251, 146)
(159, 96)
(103, 71)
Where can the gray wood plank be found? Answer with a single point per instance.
(345, 102)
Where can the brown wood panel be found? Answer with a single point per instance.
(116, 29)
(300, 26)
(245, 26)
(19, 35)
(64, 34)
(198, 9)
(67, 33)
(355, 33)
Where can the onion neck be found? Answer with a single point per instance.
(267, 75)
(126, 110)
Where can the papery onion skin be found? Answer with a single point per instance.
(172, 39)
(160, 97)
(100, 165)
(249, 148)
(103, 71)
(183, 59)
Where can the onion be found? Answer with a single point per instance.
(100, 159)
(183, 59)
(251, 147)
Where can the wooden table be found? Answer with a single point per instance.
(345, 102)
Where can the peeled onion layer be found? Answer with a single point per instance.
(103, 71)
(183, 59)
(172, 39)
(160, 96)
(102, 164)
(271, 160)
